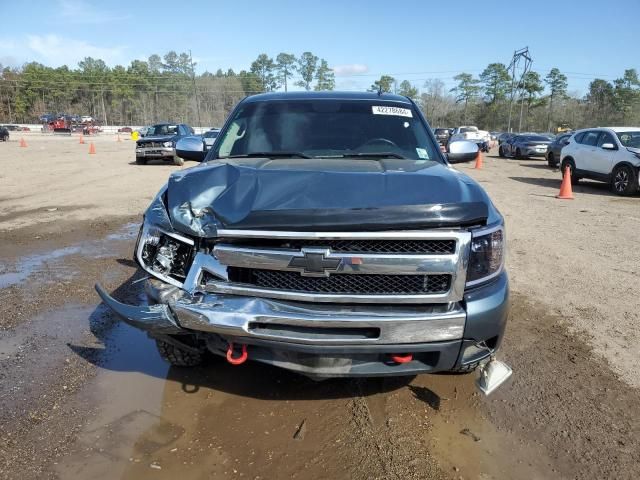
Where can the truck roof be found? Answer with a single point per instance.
(330, 95)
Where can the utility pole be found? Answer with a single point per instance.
(521, 60)
(195, 90)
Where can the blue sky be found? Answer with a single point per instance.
(362, 40)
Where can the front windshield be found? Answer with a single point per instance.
(327, 128)
(162, 130)
(629, 139)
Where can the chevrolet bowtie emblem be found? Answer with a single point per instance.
(314, 263)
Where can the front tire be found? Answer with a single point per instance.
(624, 181)
(572, 168)
(177, 356)
(141, 160)
(501, 152)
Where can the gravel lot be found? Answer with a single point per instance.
(84, 396)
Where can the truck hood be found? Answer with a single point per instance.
(156, 138)
(323, 195)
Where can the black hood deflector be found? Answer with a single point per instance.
(307, 195)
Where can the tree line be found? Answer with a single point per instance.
(168, 88)
(534, 102)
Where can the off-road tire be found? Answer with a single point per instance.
(518, 154)
(177, 356)
(501, 152)
(624, 173)
(572, 167)
(141, 161)
(178, 161)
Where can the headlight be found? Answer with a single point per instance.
(168, 144)
(165, 255)
(486, 259)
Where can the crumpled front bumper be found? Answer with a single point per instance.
(328, 340)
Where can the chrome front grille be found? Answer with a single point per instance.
(342, 284)
(399, 246)
(337, 267)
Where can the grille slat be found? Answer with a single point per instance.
(341, 283)
(418, 247)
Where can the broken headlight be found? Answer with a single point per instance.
(486, 258)
(165, 255)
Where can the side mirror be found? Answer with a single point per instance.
(608, 146)
(191, 148)
(462, 151)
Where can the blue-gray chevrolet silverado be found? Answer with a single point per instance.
(324, 233)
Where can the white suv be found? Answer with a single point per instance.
(610, 155)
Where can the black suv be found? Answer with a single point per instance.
(4, 134)
(159, 142)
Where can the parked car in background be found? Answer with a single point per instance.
(4, 134)
(125, 130)
(610, 155)
(210, 136)
(442, 135)
(524, 146)
(160, 143)
(503, 137)
(86, 118)
(554, 149)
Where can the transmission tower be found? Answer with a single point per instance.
(519, 66)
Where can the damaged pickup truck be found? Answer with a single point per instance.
(325, 233)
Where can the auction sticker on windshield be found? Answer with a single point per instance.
(397, 111)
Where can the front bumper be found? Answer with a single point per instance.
(329, 340)
(155, 152)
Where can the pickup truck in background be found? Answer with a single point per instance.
(159, 143)
(325, 233)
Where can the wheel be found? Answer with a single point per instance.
(177, 356)
(141, 160)
(518, 153)
(501, 152)
(624, 180)
(178, 160)
(572, 168)
(551, 160)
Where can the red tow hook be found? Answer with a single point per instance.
(402, 358)
(239, 360)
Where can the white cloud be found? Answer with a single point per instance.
(81, 12)
(54, 50)
(349, 69)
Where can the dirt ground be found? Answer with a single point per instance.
(85, 396)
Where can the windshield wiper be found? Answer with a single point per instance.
(276, 154)
(373, 155)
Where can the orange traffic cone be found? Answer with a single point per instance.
(566, 193)
(478, 160)
(92, 149)
(23, 144)
(81, 141)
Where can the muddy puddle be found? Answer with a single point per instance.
(13, 272)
